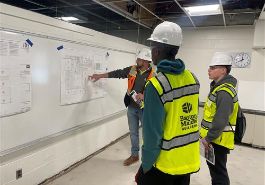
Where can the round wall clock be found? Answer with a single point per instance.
(242, 59)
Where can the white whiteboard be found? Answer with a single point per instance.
(47, 116)
(251, 95)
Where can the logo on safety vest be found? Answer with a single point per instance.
(187, 107)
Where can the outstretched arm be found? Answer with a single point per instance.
(96, 77)
(119, 73)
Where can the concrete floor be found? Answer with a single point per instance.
(245, 166)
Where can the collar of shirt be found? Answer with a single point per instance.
(148, 69)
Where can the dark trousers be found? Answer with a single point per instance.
(156, 177)
(218, 171)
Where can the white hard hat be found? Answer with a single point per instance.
(221, 59)
(145, 54)
(167, 33)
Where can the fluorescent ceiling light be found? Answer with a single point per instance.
(203, 10)
(67, 18)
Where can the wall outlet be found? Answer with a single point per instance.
(18, 173)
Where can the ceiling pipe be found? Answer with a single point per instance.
(38, 4)
(183, 9)
(148, 10)
(222, 11)
(121, 13)
(55, 9)
(35, 3)
(114, 1)
(253, 12)
(63, 6)
(157, 2)
(154, 18)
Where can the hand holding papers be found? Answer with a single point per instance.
(207, 152)
(137, 98)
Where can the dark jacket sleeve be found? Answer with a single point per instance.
(120, 73)
(224, 108)
(153, 119)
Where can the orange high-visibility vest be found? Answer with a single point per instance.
(132, 77)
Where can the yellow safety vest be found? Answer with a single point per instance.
(180, 145)
(226, 139)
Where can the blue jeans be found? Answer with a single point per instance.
(134, 115)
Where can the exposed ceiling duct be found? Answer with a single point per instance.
(141, 16)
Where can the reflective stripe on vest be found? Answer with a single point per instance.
(163, 82)
(179, 95)
(180, 141)
(171, 94)
(226, 138)
(208, 126)
(195, 78)
(212, 97)
(132, 77)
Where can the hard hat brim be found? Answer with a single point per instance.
(220, 65)
(156, 40)
(150, 39)
(159, 41)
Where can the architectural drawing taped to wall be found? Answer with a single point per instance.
(76, 66)
(15, 76)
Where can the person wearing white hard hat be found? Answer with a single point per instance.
(137, 76)
(220, 114)
(170, 151)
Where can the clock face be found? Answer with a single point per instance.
(242, 60)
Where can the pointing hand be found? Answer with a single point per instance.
(95, 77)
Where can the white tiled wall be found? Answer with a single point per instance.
(255, 129)
(52, 159)
(248, 137)
(259, 130)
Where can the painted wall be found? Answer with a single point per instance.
(48, 158)
(197, 50)
(200, 45)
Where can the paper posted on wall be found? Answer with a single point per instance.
(207, 154)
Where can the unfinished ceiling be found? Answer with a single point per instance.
(135, 19)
